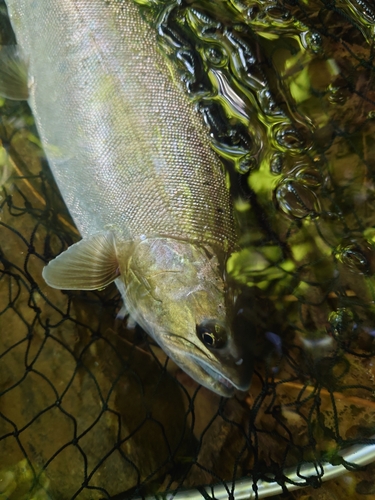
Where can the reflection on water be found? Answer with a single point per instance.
(89, 408)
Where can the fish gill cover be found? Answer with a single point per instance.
(90, 408)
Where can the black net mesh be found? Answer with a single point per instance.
(90, 408)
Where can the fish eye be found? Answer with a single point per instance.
(213, 335)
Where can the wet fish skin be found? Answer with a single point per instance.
(133, 162)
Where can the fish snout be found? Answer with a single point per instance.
(238, 367)
(232, 353)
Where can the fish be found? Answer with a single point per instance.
(132, 158)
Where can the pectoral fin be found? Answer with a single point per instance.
(87, 265)
(13, 74)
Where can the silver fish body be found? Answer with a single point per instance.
(133, 162)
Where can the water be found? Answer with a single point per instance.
(287, 94)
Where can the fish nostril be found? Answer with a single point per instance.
(212, 334)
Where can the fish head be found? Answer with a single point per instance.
(176, 291)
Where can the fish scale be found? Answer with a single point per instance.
(122, 121)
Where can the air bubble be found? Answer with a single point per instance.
(313, 41)
(278, 14)
(215, 55)
(246, 163)
(252, 13)
(288, 138)
(267, 103)
(276, 164)
(297, 200)
(308, 176)
(352, 256)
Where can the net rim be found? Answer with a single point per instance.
(295, 478)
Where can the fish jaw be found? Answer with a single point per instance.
(176, 291)
(223, 378)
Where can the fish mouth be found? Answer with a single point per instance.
(200, 370)
(221, 385)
